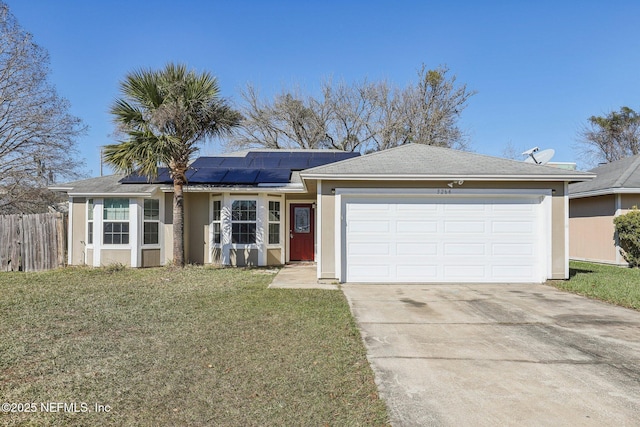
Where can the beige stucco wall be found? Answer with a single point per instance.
(167, 227)
(150, 258)
(273, 256)
(243, 257)
(591, 229)
(558, 257)
(78, 232)
(196, 227)
(115, 256)
(629, 201)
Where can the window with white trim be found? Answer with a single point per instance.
(217, 221)
(89, 221)
(243, 222)
(274, 222)
(115, 221)
(151, 222)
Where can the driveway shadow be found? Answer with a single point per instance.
(574, 271)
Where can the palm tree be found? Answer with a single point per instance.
(165, 114)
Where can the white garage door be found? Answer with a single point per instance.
(444, 239)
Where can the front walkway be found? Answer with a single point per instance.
(300, 276)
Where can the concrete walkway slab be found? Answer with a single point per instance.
(486, 355)
(300, 276)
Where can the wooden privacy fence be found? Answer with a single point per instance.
(33, 242)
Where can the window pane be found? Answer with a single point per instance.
(243, 233)
(150, 233)
(274, 211)
(301, 220)
(217, 210)
(90, 233)
(116, 209)
(274, 234)
(90, 210)
(243, 210)
(152, 209)
(216, 232)
(116, 233)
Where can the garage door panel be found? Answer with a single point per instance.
(408, 273)
(369, 249)
(464, 249)
(423, 226)
(510, 227)
(469, 273)
(370, 273)
(512, 249)
(436, 239)
(465, 227)
(423, 248)
(371, 226)
(512, 272)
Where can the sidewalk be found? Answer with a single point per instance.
(300, 276)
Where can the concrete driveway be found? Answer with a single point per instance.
(489, 355)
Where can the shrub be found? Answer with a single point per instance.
(628, 229)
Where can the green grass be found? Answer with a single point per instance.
(198, 346)
(616, 285)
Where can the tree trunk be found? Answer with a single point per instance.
(178, 224)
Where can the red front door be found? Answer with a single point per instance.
(301, 232)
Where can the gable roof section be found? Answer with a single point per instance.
(419, 161)
(621, 176)
(105, 185)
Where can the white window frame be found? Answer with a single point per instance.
(258, 226)
(218, 221)
(269, 222)
(156, 221)
(90, 220)
(128, 221)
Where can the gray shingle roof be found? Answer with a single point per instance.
(418, 160)
(104, 185)
(624, 173)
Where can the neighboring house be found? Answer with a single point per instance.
(594, 204)
(414, 213)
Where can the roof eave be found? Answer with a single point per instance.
(238, 189)
(423, 177)
(604, 192)
(111, 194)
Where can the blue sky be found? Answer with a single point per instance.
(541, 68)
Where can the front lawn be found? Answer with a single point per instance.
(199, 346)
(608, 283)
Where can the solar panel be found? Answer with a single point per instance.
(134, 178)
(207, 176)
(240, 176)
(207, 162)
(265, 161)
(273, 176)
(257, 167)
(235, 162)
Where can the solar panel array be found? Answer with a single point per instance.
(272, 167)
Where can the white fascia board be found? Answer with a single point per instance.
(113, 194)
(604, 192)
(421, 177)
(386, 192)
(296, 189)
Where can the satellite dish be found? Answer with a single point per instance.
(539, 157)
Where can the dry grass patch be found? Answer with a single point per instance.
(198, 346)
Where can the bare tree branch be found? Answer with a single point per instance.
(365, 116)
(37, 133)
